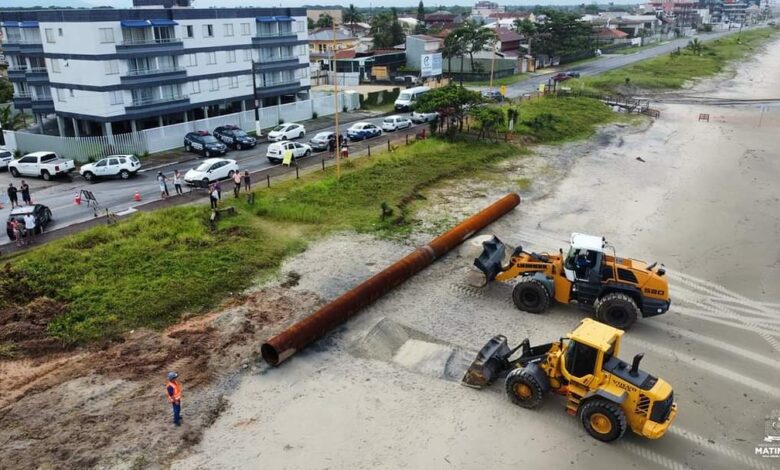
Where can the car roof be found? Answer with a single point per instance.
(39, 154)
(119, 156)
(361, 123)
(23, 210)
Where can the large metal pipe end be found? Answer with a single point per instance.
(269, 354)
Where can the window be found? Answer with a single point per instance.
(72, 93)
(49, 35)
(233, 82)
(231, 56)
(215, 84)
(246, 29)
(247, 55)
(211, 58)
(116, 97)
(60, 94)
(55, 65)
(59, 31)
(106, 35)
(228, 29)
(189, 31)
(112, 67)
(194, 87)
(208, 31)
(192, 60)
(580, 359)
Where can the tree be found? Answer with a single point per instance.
(451, 102)
(420, 27)
(386, 30)
(562, 34)
(695, 46)
(310, 24)
(6, 90)
(351, 16)
(454, 46)
(325, 21)
(10, 120)
(489, 118)
(476, 39)
(396, 30)
(527, 28)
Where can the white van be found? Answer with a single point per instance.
(407, 98)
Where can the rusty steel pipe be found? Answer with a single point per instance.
(296, 337)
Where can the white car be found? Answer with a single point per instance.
(393, 123)
(211, 169)
(424, 117)
(275, 153)
(5, 157)
(123, 166)
(287, 131)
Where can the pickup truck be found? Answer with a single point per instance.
(44, 164)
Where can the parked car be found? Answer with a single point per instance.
(47, 165)
(393, 123)
(287, 131)
(203, 143)
(561, 77)
(407, 98)
(363, 130)
(234, 137)
(211, 169)
(41, 213)
(123, 166)
(5, 157)
(418, 118)
(322, 140)
(275, 153)
(573, 74)
(493, 95)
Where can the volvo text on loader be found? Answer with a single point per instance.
(608, 395)
(616, 289)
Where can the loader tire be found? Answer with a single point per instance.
(524, 389)
(530, 295)
(603, 420)
(617, 310)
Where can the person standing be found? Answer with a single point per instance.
(173, 391)
(29, 227)
(247, 181)
(213, 196)
(163, 184)
(218, 187)
(26, 193)
(237, 183)
(16, 230)
(13, 198)
(177, 182)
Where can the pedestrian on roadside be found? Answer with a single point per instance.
(247, 181)
(218, 187)
(16, 231)
(12, 195)
(237, 182)
(163, 184)
(29, 228)
(26, 193)
(173, 391)
(177, 182)
(213, 196)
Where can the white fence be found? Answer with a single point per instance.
(159, 139)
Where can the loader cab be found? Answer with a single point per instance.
(588, 348)
(585, 258)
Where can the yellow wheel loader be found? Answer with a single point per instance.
(608, 395)
(616, 289)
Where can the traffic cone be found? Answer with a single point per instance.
(77, 200)
(137, 196)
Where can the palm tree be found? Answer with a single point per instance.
(527, 28)
(352, 16)
(11, 121)
(695, 46)
(454, 46)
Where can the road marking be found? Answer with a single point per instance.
(720, 448)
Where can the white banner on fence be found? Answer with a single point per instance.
(430, 65)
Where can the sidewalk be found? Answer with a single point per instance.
(176, 156)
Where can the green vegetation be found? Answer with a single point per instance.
(6, 90)
(673, 70)
(497, 82)
(148, 270)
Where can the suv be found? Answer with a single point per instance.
(41, 213)
(235, 137)
(276, 151)
(203, 143)
(123, 166)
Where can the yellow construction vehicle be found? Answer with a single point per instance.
(608, 395)
(615, 289)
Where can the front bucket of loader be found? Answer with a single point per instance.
(490, 363)
(491, 260)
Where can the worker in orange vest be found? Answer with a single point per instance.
(173, 390)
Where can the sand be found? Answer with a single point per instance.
(381, 392)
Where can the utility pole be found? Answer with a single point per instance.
(258, 130)
(336, 104)
(492, 64)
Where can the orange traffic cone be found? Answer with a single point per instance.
(137, 196)
(77, 200)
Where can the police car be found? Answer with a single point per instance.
(203, 143)
(234, 137)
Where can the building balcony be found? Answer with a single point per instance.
(152, 76)
(23, 46)
(290, 63)
(281, 87)
(275, 38)
(153, 104)
(42, 104)
(150, 45)
(23, 99)
(37, 75)
(17, 73)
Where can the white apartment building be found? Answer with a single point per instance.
(105, 71)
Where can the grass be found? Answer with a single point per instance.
(380, 108)
(148, 270)
(673, 71)
(497, 82)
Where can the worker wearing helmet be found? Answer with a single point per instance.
(173, 390)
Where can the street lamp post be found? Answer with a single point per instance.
(258, 130)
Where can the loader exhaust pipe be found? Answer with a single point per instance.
(299, 335)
